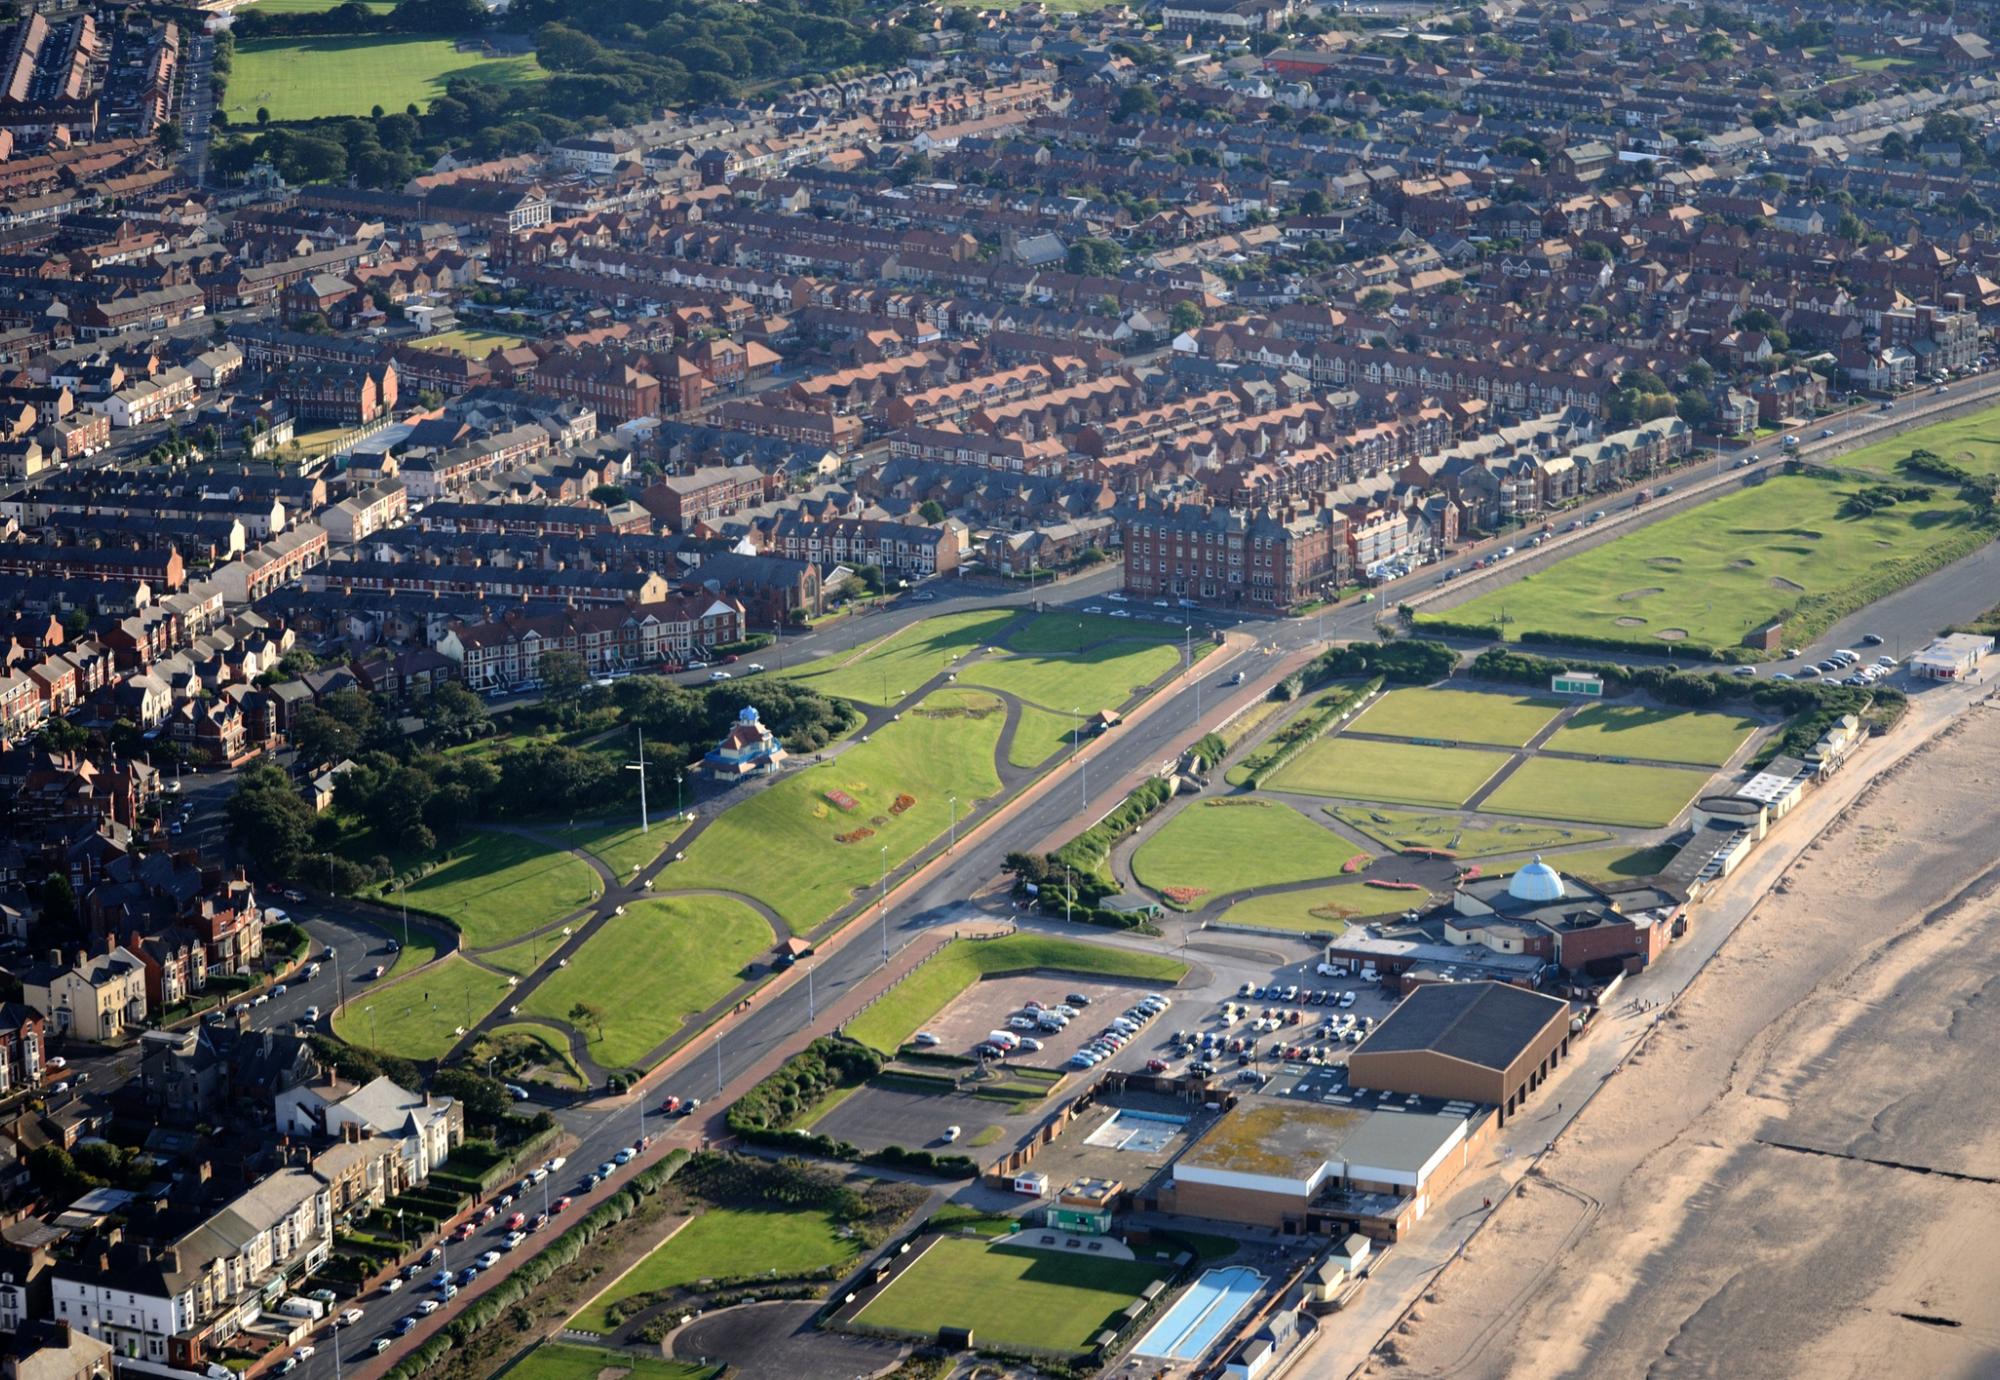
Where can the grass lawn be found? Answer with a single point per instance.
(496, 886)
(1214, 847)
(1008, 1295)
(781, 844)
(1400, 773)
(1061, 662)
(548, 1049)
(621, 847)
(1664, 735)
(1462, 716)
(921, 995)
(418, 1017)
(425, 944)
(561, 1361)
(1595, 792)
(652, 969)
(311, 6)
(1972, 441)
(724, 1243)
(887, 670)
(1462, 836)
(524, 957)
(1322, 910)
(309, 78)
(473, 344)
(1780, 549)
(1039, 735)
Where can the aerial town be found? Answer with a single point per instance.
(543, 547)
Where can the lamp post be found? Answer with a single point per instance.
(403, 895)
(882, 904)
(718, 1063)
(812, 1013)
(1076, 751)
(640, 767)
(679, 777)
(953, 837)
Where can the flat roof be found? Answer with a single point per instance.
(1362, 944)
(1273, 1138)
(1485, 1023)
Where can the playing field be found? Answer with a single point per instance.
(1214, 847)
(562, 1361)
(913, 1001)
(728, 1243)
(651, 970)
(1322, 910)
(783, 845)
(1008, 1295)
(1063, 663)
(1462, 836)
(1399, 773)
(1662, 735)
(496, 886)
(1971, 441)
(1461, 716)
(1595, 792)
(473, 344)
(418, 1017)
(1716, 571)
(885, 671)
(310, 78)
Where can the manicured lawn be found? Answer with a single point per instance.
(473, 344)
(1781, 549)
(1595, 792)
(652, 969)
(309, 78)
(1214, 847)
(548, 1048)
(1972, 441)
(921, 995)
(781, 845)
(496, 886)
(621, 847)
(1461, 716)
(1463, 836)
(1664, 735)
(1040, 734)
(562, 1361)
(728, 1242)
(418, 1016)
(1400, 773)
(1083, 662)
(524, 957)
(1008, 1295)
(887, 670)
(1322, 910)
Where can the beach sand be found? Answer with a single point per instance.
(1798, 1174)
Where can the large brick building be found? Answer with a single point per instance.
(1266, 558)
(713, 491)
(508, 651)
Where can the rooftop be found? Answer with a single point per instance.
(1483, 1023)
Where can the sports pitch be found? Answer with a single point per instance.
(1595, 792)
(1008, 1295)
(1462, 716)
(1663, 735)
(1398, 773)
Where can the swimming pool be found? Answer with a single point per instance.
(1146, 1133)
(1201, 1315)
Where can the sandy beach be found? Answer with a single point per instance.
(1798, 1175)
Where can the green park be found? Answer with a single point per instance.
(1008, 1295)
(1595, 792)
(1460, 836)
(1398, 773)
(313, 78)
(1661, 735)
(1234, 843)
(1496, 719)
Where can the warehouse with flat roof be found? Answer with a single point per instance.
(1476, 1041)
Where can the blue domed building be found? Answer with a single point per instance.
(749, 747)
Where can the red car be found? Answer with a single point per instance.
(1156, 1066)
(671, 1106)
(560, 1204)
(465, 1231)
(515, 1222)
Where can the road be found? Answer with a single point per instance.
(779, 1019)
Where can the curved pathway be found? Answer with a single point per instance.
(586, 922)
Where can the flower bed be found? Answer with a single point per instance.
(1183, 895)
(843, 800)
(1392, 886)
(903, 802)
(1356, 863)
(854, 835)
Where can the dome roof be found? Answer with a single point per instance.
(1536, 882)
(747, 715)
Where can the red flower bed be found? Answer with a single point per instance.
(855, 836)
(843, 800)
(1181, 895)
(1356, 863)
(903, 802)
(1392, 886)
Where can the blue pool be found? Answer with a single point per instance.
(1202, 1315)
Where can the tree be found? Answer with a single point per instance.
(1376, 300)
(486, 1100)
(1314, 203)
(1186, 316)
(932, 511)
(53, 1171)
(563, 677)
(1136, 100)
(609, 495)
(58, 902)
(1694, 407)
(263, 115)
(583, 1013)
(170, 138)
(270, 821)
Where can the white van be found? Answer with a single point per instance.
(1005, 1039)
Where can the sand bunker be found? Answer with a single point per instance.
(1628, 621)
(1671, 634)
(1632, 596)
(1664, 562)
(1780, 582)
(1742, 563)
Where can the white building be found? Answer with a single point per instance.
(1952, 657)
(426, 1128)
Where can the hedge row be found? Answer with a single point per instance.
(1309, 728)
(1209, 749)
(1693, 689)
(539, 1268)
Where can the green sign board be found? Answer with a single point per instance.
(1567, 684)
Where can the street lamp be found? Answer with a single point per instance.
(718, 1063)
(812, 1013)
(953, 838)
(1076, 751)
(882, 904)
(678, 778)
